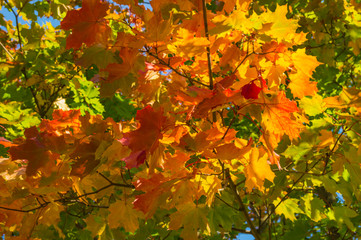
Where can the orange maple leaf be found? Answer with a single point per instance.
(156, 190)
(62, 121)
(87, 24)
(277, 117)
(258, 170)
(220, 97)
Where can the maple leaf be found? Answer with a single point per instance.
(280, 27)
(87, 24)
(273, 50)
(288, 208)
(276, 76)
(149, 83)
(187, 45)
(122, 214)
(51, 214)
(220, 97)
(250, 91)
(304, 63)
(146, 137)
(192, 217)
(62, 121)
(161, 28)
(277, 118)
(226, 82)
(173, 163)
(301, 86)
(230, 151)
(84, 158)
(257, 170)
(193, 95)
(13, 217)
(135, 159)
(156, 191)
(33, 150)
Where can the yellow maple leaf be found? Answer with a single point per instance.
(211, 185)
(96, 225)
(304, 63)
(122, 214)
(301, 86)
(187, 45)
(326, 139)
(281, 28)
(257, 170)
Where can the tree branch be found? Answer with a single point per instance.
(209, 61)
(241, 230)
(72, 199)
(207, 48)
(303, 174)
(242, 206)
(25, 211)
(161, 61)
(229, 205)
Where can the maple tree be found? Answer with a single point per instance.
(181, 119)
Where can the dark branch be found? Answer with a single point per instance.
(242, 206)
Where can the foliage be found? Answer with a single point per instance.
(191, 119)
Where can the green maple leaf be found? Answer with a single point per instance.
(289, 208)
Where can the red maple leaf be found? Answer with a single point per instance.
(146, 137)
(87, 24)
(33, 150)
(149, 132)
(251, 90)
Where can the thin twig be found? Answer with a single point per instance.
(25, 211)
(244, 59)
(207, 48)
(7, 51)
(71, 199)
(229, 205)
(166, 236)
(230, 124)
(241, 230)
(115, 184)
(161, 61)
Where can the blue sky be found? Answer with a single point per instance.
(41, 21)
(242, 236)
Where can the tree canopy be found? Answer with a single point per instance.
(180, 119)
